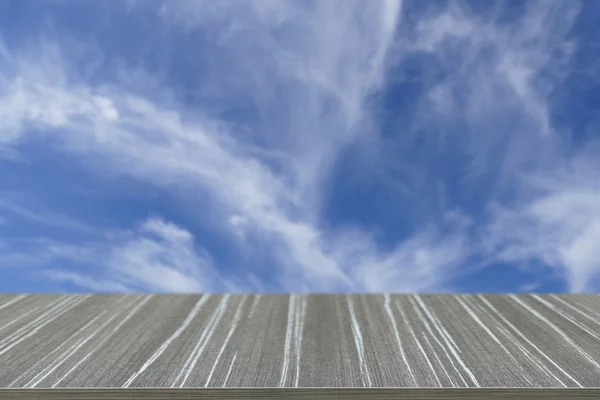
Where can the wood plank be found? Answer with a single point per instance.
(302, 394)
(310, 341)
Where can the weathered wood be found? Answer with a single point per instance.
(320, 341)
(301, 394)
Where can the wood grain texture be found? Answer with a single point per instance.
(310, 341)
(301, 394)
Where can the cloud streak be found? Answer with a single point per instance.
(557, 226)
(277, 96)
(324, 87)
(157, 256)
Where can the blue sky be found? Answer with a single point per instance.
(299, 146)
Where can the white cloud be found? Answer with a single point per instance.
(161, 257)
(13, 205)
(85, 282)
(497, 78)
(323, 64)
(106, 108)
(306, 67)
(557, 224)
(424, 262)
(306, 70)
(497, 83)
(156, 256)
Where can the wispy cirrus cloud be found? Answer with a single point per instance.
(322, 88)
(250, 111)
(494, 108)
(155, 256)
(556, 223)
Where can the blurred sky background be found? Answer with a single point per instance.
(299, 146)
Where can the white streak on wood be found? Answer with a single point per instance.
(13, 301)
(55, 350)
(167, 343)
(299, 334)
(360, 347)
(254, 303)
(512, 339)
(206, 335)
(478, 321)
(20, 317)
(567, 317)
(412, 333)
(230, 369)
(578, 311)
(390, 314)
(448, 338)
(507, 322)
(234, 325)
(52, 307)
(557, 330)
(72, 350)
(433, 335)
(42, 325)
(288, 337)
(115, 330)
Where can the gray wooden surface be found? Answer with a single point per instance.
(303, 394)
(172, 341)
